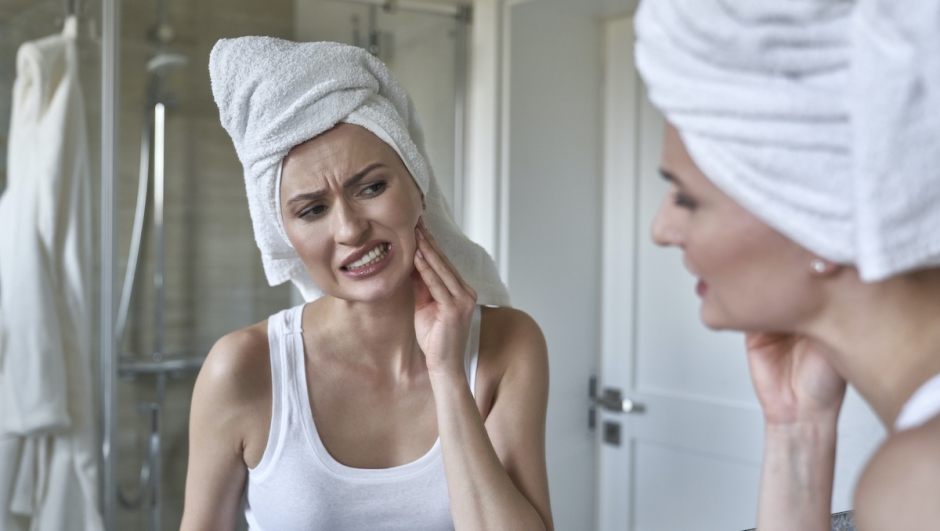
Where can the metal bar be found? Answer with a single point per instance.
(410, 5)
(133, 260)
(461, 36)
(130, 370)
(156, 455)
(159, 295)
(110, 21)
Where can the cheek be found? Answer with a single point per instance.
(311, 243)
(713, 248)
(755, 282)
(398, 213)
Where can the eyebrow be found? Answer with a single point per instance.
(310, 196)
(669, 176)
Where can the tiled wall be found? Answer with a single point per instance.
(214, 280)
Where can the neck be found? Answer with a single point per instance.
(884, 336)
(377, 335)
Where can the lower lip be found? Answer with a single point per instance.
(370, 270)
(701, 288)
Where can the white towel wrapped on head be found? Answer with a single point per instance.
(275, 94)
(818, 116)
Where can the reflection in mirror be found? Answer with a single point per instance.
(186, 267)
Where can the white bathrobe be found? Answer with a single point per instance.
(48, 458)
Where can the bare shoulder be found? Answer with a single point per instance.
(512, 336)
(233, 390)
(900, 486)
(513, 358)
(238, 361)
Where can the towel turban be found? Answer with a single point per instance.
(821, 117)
(275, 94)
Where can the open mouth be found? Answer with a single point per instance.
(374, 256)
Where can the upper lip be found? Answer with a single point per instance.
(361, 252)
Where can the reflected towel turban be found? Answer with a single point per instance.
(821, 117)
(274, 94)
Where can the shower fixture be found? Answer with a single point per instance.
(150, 197)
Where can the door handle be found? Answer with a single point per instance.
(612, 400)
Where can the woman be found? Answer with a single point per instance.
(806, 197)
(324, 414)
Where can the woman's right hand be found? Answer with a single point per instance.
(800, 393)
(793, 379)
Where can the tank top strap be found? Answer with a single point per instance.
(921, 407)
(295, 373)
(472, 355)
(284, 332)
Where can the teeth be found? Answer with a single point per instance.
(369, 258)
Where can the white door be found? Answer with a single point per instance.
(691, 458)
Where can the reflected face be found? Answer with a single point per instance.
(751, 277)
(350, 208)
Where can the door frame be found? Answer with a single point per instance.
(485, 194)
(620, 225)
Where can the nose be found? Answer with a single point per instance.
(349, 226)
(667, 229)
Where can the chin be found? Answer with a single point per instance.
(376, 292)
(376, 289)
(717, 317)
(713, 319)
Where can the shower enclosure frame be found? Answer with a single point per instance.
(110, 109)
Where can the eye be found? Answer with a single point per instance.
(683, 201)
(374, 189)
(312, 212)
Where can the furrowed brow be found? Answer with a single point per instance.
(359, 176)
(307, 196)
(317, 194)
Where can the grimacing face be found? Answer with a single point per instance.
(751, 277)
(350, 208)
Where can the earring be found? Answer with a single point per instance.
(818, 265)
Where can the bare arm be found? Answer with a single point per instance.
(484, 493)
(496, 472)
(227, 393)
(796, 476)
(801, 395)
(516, 419)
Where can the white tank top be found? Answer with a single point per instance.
(922, 406)
(298, 486)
